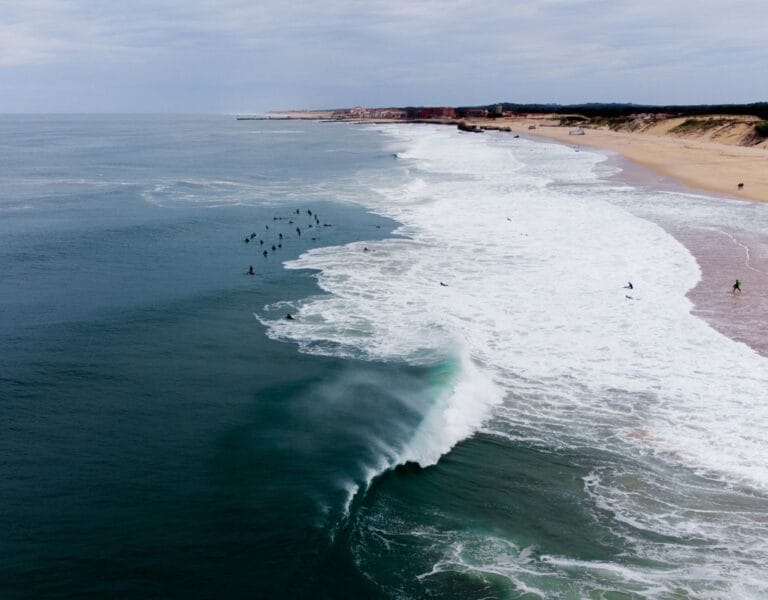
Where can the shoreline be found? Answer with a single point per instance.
(693, 159)
(701, 165)
(701, 168)
(720, 254)
(680, 165)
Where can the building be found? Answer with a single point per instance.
(436, 112)
(476, 113)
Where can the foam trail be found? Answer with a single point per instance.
(747, 258)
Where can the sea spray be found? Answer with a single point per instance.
(456, 413)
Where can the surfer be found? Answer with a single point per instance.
(736, 287)
(251, 271)
(288, 317)
(247, 241)
(298, 231)
(443, 284)
(629, 286)
(265, 253)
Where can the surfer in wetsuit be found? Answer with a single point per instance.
(629, 286)
(288, 317)
(250, 270)
(736, 287)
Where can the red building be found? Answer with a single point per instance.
(436, 112)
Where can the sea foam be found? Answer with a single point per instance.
(512, 257)
(533, 264)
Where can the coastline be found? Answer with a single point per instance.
(693, 159)
(710, 169)
(681, 165)
(703, 165)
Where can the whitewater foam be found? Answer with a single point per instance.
(534, 270)
(513, 256)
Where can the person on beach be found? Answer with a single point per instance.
(736, 287)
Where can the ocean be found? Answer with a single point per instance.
(467, 402)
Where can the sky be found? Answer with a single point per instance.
(229, 56)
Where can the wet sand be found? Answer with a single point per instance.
(723, 254)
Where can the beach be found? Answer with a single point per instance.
(704, 165)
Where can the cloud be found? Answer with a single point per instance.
(367, 49)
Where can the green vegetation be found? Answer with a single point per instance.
(700, 125)
(570, 120)
(592, 110)
(762, 129)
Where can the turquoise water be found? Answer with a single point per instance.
(166, 433)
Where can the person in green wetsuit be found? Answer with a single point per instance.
(736, 287)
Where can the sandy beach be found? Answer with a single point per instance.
(705, 165)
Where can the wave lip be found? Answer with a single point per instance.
(455, 415)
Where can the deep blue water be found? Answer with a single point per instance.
(155, 441)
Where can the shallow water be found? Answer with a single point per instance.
(524, 430)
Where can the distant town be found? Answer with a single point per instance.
(420, 113)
